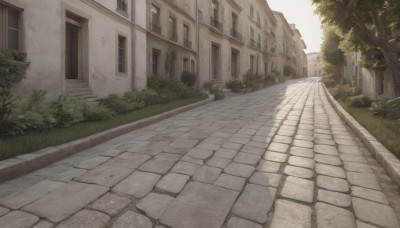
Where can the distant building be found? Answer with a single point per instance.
(314, 64)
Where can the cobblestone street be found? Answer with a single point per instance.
(278, 157)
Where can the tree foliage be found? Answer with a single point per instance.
(330, 52)
(366, 26)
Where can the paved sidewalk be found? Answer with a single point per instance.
(279, 157)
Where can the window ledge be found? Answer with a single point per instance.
(122, 12)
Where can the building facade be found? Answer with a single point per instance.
(285, 44)
(299, 59)
(235, 37)
(172, 38)
(78, 45)
(314, 64)
(101, 47)
(372, 82)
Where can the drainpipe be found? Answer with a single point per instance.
(133, 57)
(198, 42)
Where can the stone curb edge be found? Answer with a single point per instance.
(390, 163)
(26, 163)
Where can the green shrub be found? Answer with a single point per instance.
(188, 78)
(68, 111)
(288, 70)
(359, 101)
(151, 97)
(13, 68)
(170, 89)
(387, 107)
(134, 98)
(218, 93)
(11, 126)
(253, 81)
(117, 104)
(235, 86)
(329, 80)
(343, 91)
(269, 80)
(98, 113)
(207, 85)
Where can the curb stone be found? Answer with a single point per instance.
(390, 163)
(26, 163)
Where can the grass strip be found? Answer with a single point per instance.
(32, 141)
(386, 131)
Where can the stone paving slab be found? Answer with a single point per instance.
(138, 184)
(65, 201)
(254, 203)
(132, 219)
(110, 204)
(30, 194)
(86, 219)
(154, 205)
(375, 213)
(291, 215)
(200, 205)
(18, 219)
(298, 189)
(334, 217)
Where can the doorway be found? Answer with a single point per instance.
(214, 61)
(72, 47)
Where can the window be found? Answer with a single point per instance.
(185, 64)
(155, 61)
(251, 11)
(234, 22)
(172, 29)
(9, 28)
(121, 54)
(251, 63)
(192, 65)
(122, 5)
(214, 6)
(155, 19)
(186, 40)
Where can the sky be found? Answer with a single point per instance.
(301, 13)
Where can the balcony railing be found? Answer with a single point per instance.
(156, 28)
(252, 43)
(235, 34)
(187, 43)
(216, 24)
(173, 36)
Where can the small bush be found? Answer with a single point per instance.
(98, 113)
(218, 94)
(235, 86)
(269, 80)
(360, 101)
(188, 78)
(171, 89)
(386, 107)
(152, 97)
(253, 81)
(343, 91)
(117, 104)
(13, 68)
(207, 85)
(134, 98)
(68, 111)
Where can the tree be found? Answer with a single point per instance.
(332, 56)
(369, 21)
